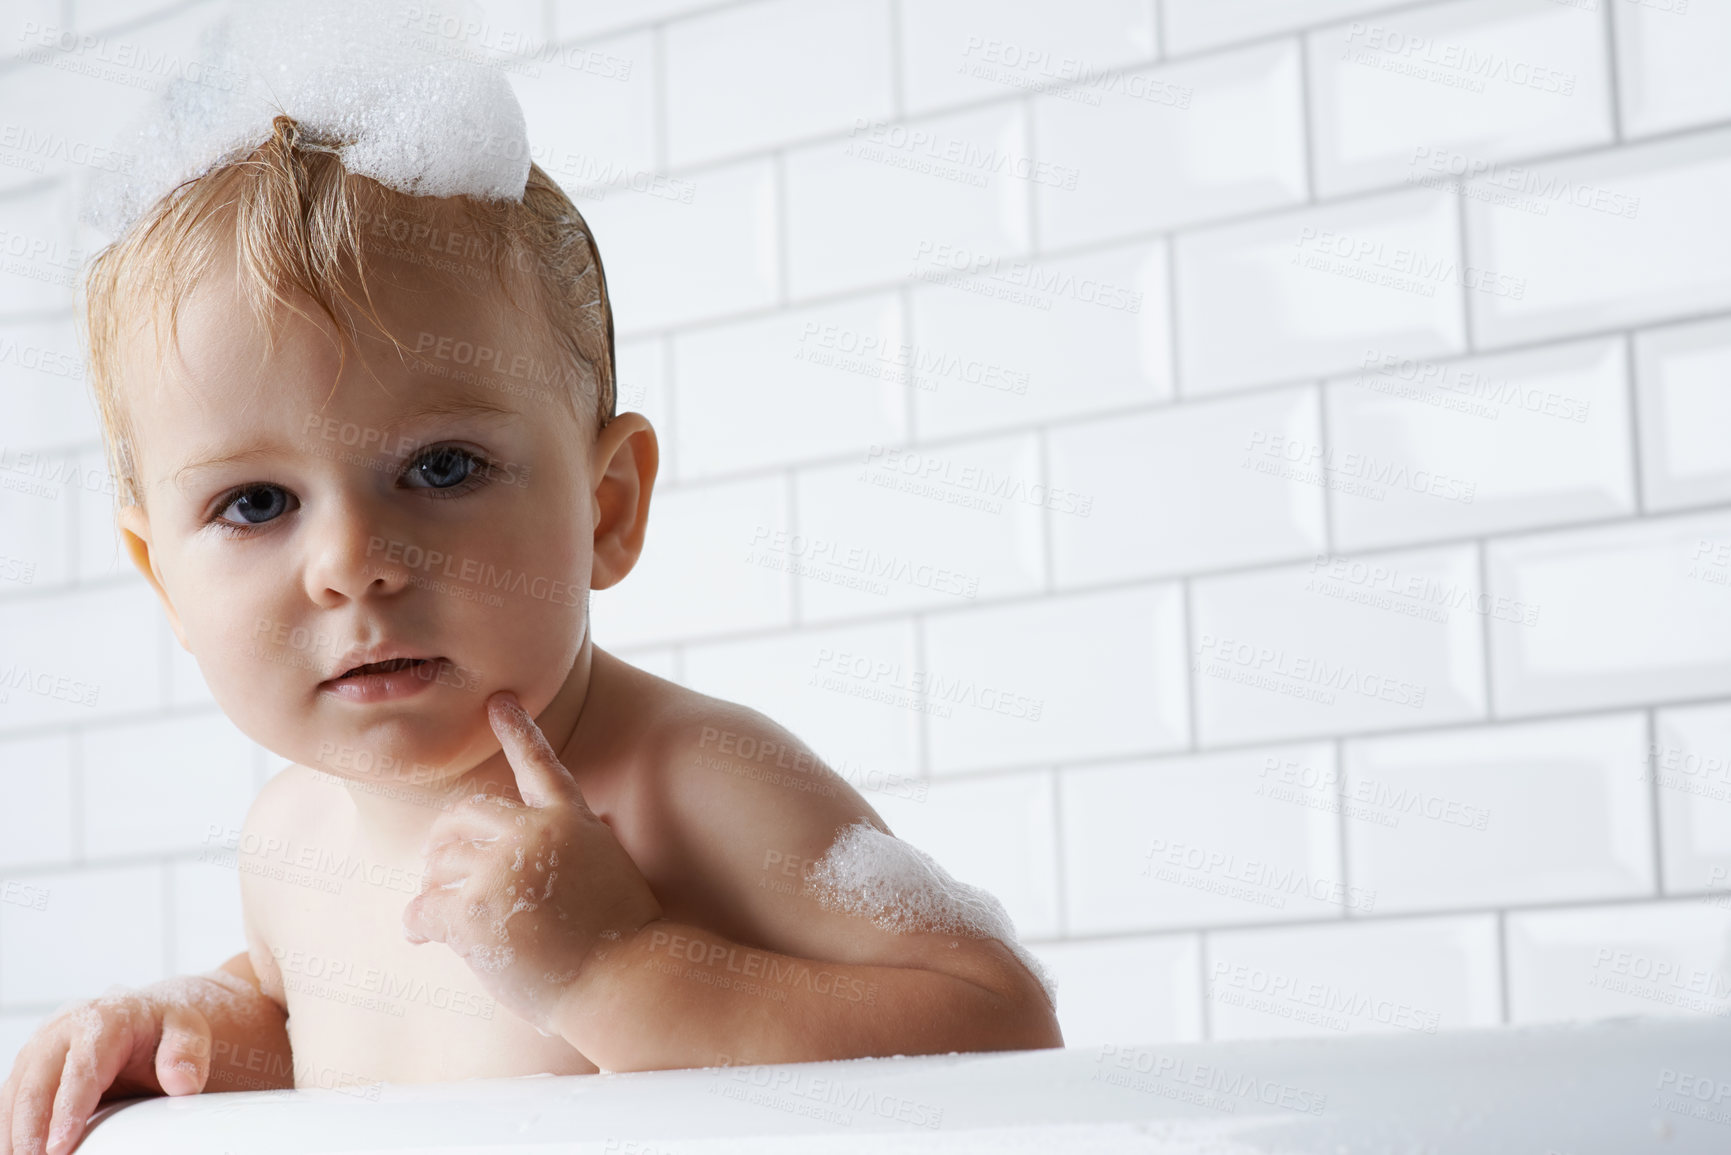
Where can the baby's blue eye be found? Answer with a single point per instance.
(256, 504)
(442, 468)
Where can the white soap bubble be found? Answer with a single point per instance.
(901, 888)
(408, 110)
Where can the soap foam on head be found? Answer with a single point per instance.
(902, 888)
(400, 100)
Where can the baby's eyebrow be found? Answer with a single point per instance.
(459, 405)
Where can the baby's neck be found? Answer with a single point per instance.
(395, 822)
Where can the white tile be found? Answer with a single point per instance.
(886, 202)
(207, 918)
(96, 927)
(1316, 289)
(1551, 812)
(584, 17)
(1404, 976)
(1138, 478)
(971, 50)
(1634, 613)
(1072, 677)
(590, 113)
(1097, 337)
(901, 528)
(797, 385)
(1486, 81)
(996, 833)
(862, 737)
(1668, 64)
(157, 787)
(1135, 991)
(79, 657)
(99, 551)
(1172, 146)
(1452, 449)
(1193, 842)
(36, 781)
(1192, 25)
(1692, 765)
(23, 21)
(45, 401)
(1685, 408)
(1649, 959)
(38, 508)
(186, 685)
(750, 76)
(644, 387)
(699, 542)
(1629, 236)
(42, 261)
(672, 260)
(1334, 647)
(662, 661)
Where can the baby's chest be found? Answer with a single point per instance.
(365, 1005)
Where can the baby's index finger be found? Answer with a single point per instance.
(541, 777)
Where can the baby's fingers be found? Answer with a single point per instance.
(94, 1057)
(33, 1098)
(183, 1056)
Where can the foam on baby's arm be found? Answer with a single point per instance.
(900, 888)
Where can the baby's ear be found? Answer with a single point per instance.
(135, 537)
(624, 463)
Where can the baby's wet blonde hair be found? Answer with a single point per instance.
(302, 227)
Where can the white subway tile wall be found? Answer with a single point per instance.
(1246, 482)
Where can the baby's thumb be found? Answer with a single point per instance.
(183, 1056)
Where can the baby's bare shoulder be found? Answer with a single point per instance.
(732, 808)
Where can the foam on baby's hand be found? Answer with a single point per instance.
(412, 106)
(901, 888)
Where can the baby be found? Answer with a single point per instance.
(368, 459)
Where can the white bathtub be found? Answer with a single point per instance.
(1616, 1088)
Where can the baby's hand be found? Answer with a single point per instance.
(129, 1042)
(524, 893)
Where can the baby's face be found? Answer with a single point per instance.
(433, 531)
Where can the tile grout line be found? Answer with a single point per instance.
(1191, 660)
(1637, 457)
(1487, 639)
(1502, 968)
(1307, 117)
(1206, 993)
(1340, 823)
(1613, 74)
(1059, 849)
(1655, 819)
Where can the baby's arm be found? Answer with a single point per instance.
(177, 1037)
(814, 983)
